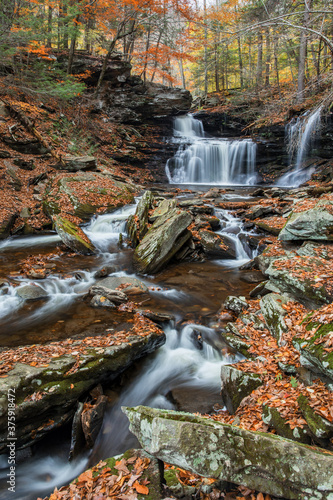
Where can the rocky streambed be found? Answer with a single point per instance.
(268, 345)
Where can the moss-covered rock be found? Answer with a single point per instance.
(46, 396)
(313, 224)
(236, 340)
(272, 417)
(84, 194)
(164, 207)
(150, 473)
(274, 313)
(73, 236)
(236, 304)
(236, 385)
(320, 428)
(165, 237)
(314, 355)
(265, 462)
(298, 279)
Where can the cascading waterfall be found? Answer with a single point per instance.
(179, 363)
(103, 230)
(301, 135)
(201, 160)
(233, 229)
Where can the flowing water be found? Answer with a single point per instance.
(203, 160)
(301, 135)
(193, 292)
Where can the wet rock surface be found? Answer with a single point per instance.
(163, 240)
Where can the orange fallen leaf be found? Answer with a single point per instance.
(140, 488)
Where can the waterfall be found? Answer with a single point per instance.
(232, 228)
(187, 126)
(201, 160)
(301, 135)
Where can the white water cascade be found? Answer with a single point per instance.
(301, 135)
(233, 229)
(180, 363)
(202, 160)
(60, 292)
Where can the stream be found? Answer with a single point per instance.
(192, 292)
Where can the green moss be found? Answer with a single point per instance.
(319, 426)
(273, 418)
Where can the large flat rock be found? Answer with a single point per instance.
(313, 224)
(46, 395)
(260, 461)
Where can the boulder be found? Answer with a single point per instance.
(259, 461)
(77, 437)
(115, 296)
(75, 163)
(31, 292)
(259, 211)
(73, 236)
(274, 313)
(116, 73)
(101, 301)
(7, 222)
(236, 385)
(272, 225)
(236, 340)
(163, 240)
(14, 180)
(29, 146)
(85, 193)
(46, 395)
(236, 304)
(24, 164)
(217, 245)
(127, 284)
(313, 224)
(4, 154)
(297, 276)
(123, 477)
(156, 316)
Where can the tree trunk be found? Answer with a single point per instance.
(302, 54)
(250, 61)
(268, 58)
(226, 67)
(144, 71)
(276, 61)
(49, 27)
(205, 52)
(64, 25)
(240, 60)
(259, 63)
